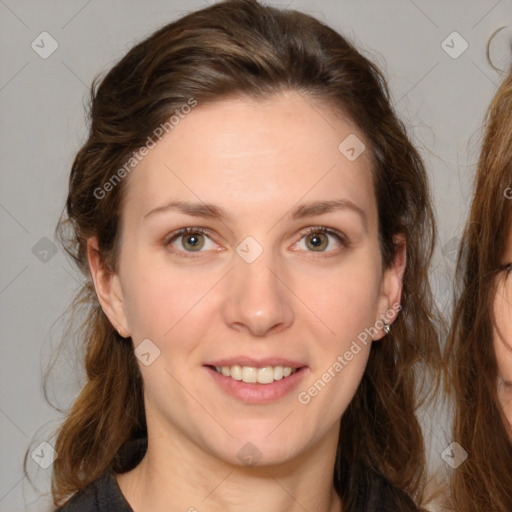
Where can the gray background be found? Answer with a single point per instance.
(442, 100)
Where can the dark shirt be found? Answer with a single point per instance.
(104, 494)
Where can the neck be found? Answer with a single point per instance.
(177, 475)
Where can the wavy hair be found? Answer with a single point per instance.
(242, 48)
(484, 480)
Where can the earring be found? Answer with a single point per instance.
(386, 327)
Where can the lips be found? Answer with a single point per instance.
(260, 391)
(256, 380)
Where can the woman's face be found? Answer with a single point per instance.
(252, 292)
(503, 332)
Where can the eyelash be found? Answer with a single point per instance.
(506, 267)
(342, 238)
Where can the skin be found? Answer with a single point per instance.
(502, 338)
(258, 161)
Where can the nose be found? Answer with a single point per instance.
(257, 300)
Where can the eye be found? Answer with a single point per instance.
(506, 267)
(189, 240)
(320, 238)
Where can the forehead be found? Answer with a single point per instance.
(252, 153)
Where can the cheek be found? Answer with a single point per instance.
(502, 342)
(502, 331)
(160, 299)
(503, 313)
(505, 396)
(346, 298)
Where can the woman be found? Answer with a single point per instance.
(250, 217)
(479, 351)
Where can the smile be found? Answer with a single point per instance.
(251, 374)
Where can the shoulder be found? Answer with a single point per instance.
(85, 500)
(102, 495)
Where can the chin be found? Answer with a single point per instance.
(256, 451)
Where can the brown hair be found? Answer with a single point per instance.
(240, 47)
(484, 480)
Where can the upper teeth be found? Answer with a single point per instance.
(251, 374)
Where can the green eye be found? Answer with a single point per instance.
(192, 241)
(317, 241)
(187, 241)
(320, 239)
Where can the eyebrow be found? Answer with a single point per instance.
(212, 211)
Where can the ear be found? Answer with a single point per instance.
(108, 289)
(391, 287)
